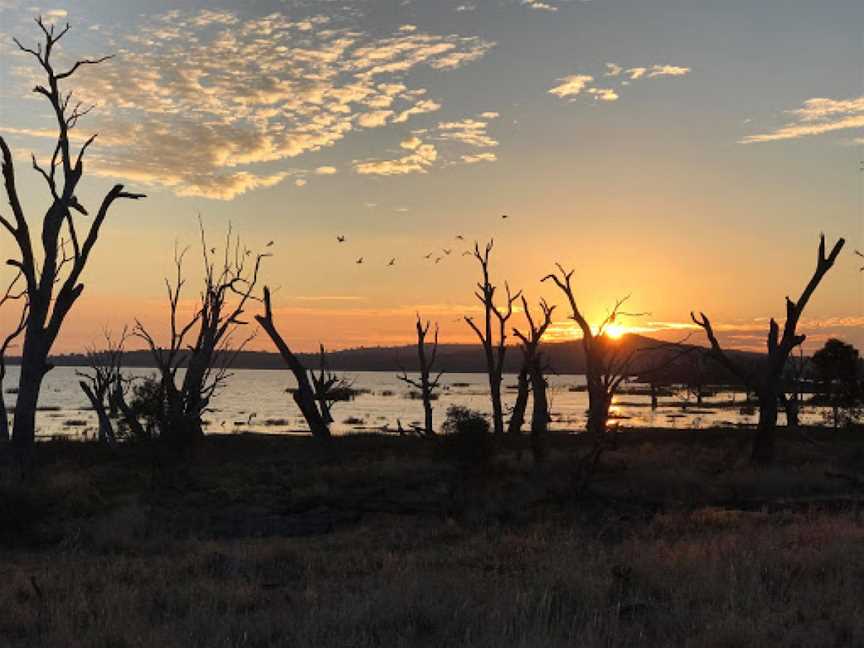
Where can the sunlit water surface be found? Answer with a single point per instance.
(257, 401)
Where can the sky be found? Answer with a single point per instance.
(687, 153)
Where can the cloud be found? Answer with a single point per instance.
(576, 84)
(424, 106)
(539, 5)
(412, 143)
(450, 140)
(816, 116)
(572, 85)
(326, 170)
(479, 157)
(300, 182)
(211, 103)
(667, 70)
(468, 131)
(604, 94)
(419, 160)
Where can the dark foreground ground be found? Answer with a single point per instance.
(261, 541)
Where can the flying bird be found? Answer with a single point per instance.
(428, 256)
(212, 250)
(340, 238)
(459, 237)
(446, 251)
(467, 253)
(438, 259)
(360, 260)
(392, 262)
(270, 244)
(505, 216)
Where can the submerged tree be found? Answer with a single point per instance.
(607, 365)
(228, 286)
(305, 395)
(101, 381)
(15, 296)
(766, 378)
(532, 370)
(330, 387)
(494, 351)
(426, 384)
(51, 275)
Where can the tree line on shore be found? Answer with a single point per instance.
(52, 253)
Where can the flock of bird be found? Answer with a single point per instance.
(431, 256)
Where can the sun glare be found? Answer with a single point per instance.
(614, 331)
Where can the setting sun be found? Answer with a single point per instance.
(614, 331)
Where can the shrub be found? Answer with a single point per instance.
(466, 437)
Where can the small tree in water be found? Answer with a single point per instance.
(228, 286)
(426, 383)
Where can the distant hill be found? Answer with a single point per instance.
(563, 357)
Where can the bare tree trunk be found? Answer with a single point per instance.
(654, 402)
(494, 352)
(497, 407)
(539, 415)
(517, 418)
(791, 407)
(304, 396)
(763, 442)
(4, 422)
(598, 411)
(33, 370)
(118, 401)
(106, 427)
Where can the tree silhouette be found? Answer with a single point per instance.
(494, 352)
(426, 384)
(305, 395)
(532, 370)
(766, 378)
(14, 295)
(52, 274)
(607, 365)
(101, 381)
(836, 369)
(329, 387)
(228, 286)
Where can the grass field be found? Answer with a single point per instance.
(383, 541)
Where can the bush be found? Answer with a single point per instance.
(466, 437)
(147, 404)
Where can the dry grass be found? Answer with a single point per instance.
(123, 562)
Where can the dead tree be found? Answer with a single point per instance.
(533, 369)
(52, 274)
(494, 352)
(228, 286)
(101, 381)
(607, 365)
(14, 295)
(766, 378)
(426, 384)
(330, 387)
(305, 394)
(791, 402)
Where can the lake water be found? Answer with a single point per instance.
(256, 401)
